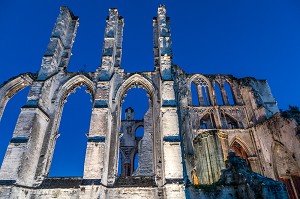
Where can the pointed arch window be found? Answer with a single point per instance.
(218, 92)
(132, 130)
(207, 122)
(72, 139)
(200, 92)
(229, 93)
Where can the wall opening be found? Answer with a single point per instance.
(9, 119)
(207, 121)
(70, 147)
(194, 93)
(219, 97)
(228, 122)
(134, 108)
(229, 92)
(199, 92)
(205, 92)
(240, 151)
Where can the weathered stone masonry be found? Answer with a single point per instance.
(184, 150)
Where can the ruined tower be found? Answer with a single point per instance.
(185, 145)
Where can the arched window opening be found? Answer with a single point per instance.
(132, 130)
(229, 93)
(9, 119)
(200, 94)
(205, 92)
(287, 170)
(195, 99)
(137, 99)
(207, 122)
(228, 122)
(240, 151)
(70, 147)
(219, 97)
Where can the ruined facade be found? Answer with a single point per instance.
(183, 152)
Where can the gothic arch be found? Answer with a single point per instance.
(74, 82)
(230, 118)
(194, 78)
(241, 149)
(64, 91)
(243, 144)
(130, 82)
(207, 121)
(117, 97)
(10, 88)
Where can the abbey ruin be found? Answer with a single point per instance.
(238, 146)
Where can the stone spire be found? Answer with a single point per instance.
(162, 43)
(58, 52)
(112, 46)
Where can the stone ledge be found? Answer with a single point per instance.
(135, 181)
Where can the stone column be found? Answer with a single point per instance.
(94, 158)
(200, 95)
(112, 46)
(224, 95)
(24, 151)
(22, 155)
(209, 157)
(223, 138)
(164, 44)
(58, 52)
(100, 127)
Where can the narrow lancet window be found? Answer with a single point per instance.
(229, 93)
(218, 92)
(195, 94)
(132, 131)
(70, 146)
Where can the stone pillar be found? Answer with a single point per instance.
(100, 126)
(163, 43)
(58, 52)
(23, 152)
(93, 165)
(224, 95)
(103, 120)
(112, 47)
(200, 95)
(171, 147)
(145, 148)
(209, 157)
(223, 138)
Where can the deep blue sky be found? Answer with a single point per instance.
(242, 38)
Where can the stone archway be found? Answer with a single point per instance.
(149, 136)
(63, 91)
(13, 86)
